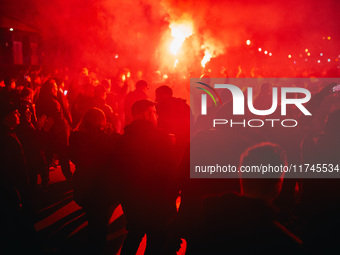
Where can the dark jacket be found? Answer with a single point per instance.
(13, 175)
(95, 176)
(148, 175)
(233, 224)
(51, 107)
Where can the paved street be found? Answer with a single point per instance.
(62, 225)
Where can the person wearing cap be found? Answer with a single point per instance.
(147, 168)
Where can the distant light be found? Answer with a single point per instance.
(321, 54)
(306, 50)
(176, 62)
(300, 55)
(270, 54)
(319, 61)
(289, 56)
(11, 29)
(328, 37)
(306, 59)
(323, 38)
(165, 76)
(248, 42)
(260, 49)
(308, 54)
(294, 62)
(265, 52)
(329, 60)
(116, 56)
(336, 60)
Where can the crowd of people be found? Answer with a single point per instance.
(131, 147)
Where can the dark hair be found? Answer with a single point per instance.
(141, 84)
(164, 90)
(6, 108)
(141, 106)
(264, 153)
(8, 81)
(26, 92)
(92, 121)
(46, 88)
(99, 91)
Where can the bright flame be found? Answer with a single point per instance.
(123, 77)
(180, 31)
(128, 74)
(206, 58)
(248, 42)
(176, 62)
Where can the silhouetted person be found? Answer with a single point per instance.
(139, 93)
(320, 199)
(82, 103)
(9, 92)
(99, 101)
(246, 223)
(57, 131)
(174, 116)
(92, 152)
(31, 141)
(63, 101)
(17, 229)
(149, 188)
(26, 97)
(111, 98)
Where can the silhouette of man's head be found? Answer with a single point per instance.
(100, 92)
(144, 110)
(27, 94)
(141, 85)
(9, 115)
(93, 120)
(259, 187)
(10, 83)
(49, 88)
(163, 92)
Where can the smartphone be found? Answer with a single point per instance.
(336, 88)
